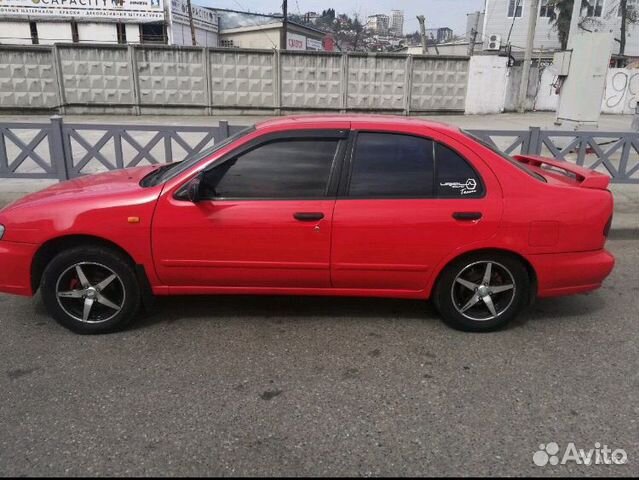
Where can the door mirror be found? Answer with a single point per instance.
(193, 189)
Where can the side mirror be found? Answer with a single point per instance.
(193, 189)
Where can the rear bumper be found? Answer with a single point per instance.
(569, 273)
(15, 267)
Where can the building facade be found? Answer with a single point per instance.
(397, 23)
(509, 20)
(47, 22)
(378, 23)
(253, 30)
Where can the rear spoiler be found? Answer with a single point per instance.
(587, 178)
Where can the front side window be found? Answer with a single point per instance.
(292, 168)
(515, 8)
(392, 165)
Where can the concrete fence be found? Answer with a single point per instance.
(192, 80)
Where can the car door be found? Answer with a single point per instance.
(264, 219)
(406, 202)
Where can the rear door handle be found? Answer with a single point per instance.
(308, 216)
(467, 216)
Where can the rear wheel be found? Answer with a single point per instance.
(482, 292)
(91, 289)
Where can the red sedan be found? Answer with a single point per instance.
(316, 205)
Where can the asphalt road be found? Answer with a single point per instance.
(285, 386)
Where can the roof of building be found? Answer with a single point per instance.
(235, 19)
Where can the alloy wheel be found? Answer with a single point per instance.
(483, 290)
(90, 292)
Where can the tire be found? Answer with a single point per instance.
(103, 296)
(464, 300)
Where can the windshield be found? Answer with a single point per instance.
(506, 157)
(167, 172)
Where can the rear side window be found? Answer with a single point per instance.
(392, 165)
(295, 168)
(455, 176)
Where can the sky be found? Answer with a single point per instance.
(438, 13)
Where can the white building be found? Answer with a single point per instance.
(47, 22)
(378, 23)
(397, 23)
(504, 17)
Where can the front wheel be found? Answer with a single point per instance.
(482, 292)
(91, 289)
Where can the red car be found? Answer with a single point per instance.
(316, 205)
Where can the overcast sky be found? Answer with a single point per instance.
(439, 13)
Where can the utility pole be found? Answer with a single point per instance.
(193, 41)
(574, 22)
(525, 73)
(473, 35)
(422, 33)
(283, 37)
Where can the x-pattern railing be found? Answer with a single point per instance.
(77, 149)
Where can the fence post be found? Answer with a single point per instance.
(408, 84)
(533, 143)
(56, 148)
(135, 84)
(277, 82)
(59, 76)
(344, 82)
(223, 125)
(207, 78)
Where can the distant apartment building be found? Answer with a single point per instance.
(397, 23)
(378, 23)
(507, 20)
(439, 35)
(33, 22)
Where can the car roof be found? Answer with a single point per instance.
(372, 120)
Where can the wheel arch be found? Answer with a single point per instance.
(532, 274)
(49, 249)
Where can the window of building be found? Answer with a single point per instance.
(387, 165)
(121, 31)
(515, 8)
(297, 168)
(75, 37)
(34, 33)
(226, 43)
(632, 7)
(545, 10)
(595, 8)
(153, 33)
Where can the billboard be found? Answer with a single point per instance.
(312, 44)
(122, 10)
(295, 41)
(203, 18)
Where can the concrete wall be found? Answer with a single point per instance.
(191, 80)
(487, 84)
(98, 33)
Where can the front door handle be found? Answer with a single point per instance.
(467, 216)
(308, 216)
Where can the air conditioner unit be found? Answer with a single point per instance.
(493, 42)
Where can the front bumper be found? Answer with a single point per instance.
(569, 273)
(15, 267)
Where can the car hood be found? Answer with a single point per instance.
(98, 186)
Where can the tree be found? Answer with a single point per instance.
(560, 17)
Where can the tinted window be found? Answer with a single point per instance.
(390, 165)
(279, 169)
(455, 177)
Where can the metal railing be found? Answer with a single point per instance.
(67, 150)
